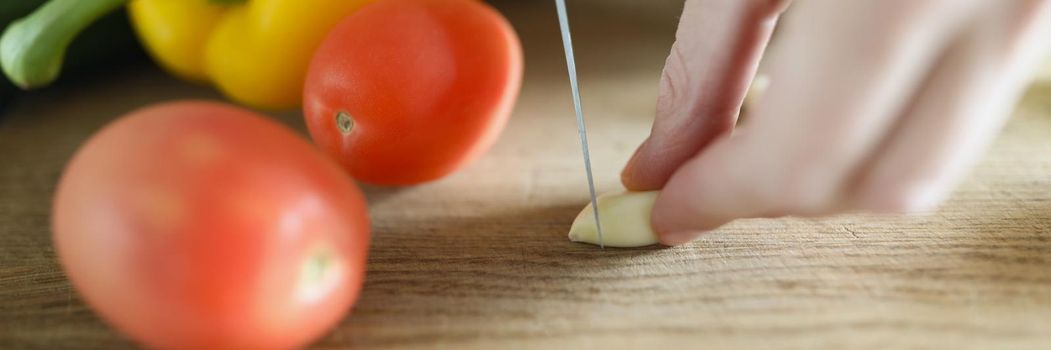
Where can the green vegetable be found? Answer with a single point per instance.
(108, 43)
(32, 49)
(11, 10)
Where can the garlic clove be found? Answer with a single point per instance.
(625, 219)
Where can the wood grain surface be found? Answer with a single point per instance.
(480, 260)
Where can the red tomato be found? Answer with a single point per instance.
(197, 225)
(407, 91)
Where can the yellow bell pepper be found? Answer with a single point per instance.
(256, 51)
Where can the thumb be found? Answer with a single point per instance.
(717, 49)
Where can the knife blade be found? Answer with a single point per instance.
(571, 66)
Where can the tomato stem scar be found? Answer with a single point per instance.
(315, 268)
(344, 122)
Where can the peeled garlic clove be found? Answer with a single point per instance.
(625, 219)
(1045, 75)
(759, 85)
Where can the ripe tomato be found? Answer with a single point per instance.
(197, 225)
(407, 91)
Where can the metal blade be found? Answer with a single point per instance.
(567, 44)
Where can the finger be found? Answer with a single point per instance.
(960, 110)
(833, 95)
(716, 51)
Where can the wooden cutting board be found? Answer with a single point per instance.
(480, 259)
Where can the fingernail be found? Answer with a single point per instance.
(629, 171)
(679, 237)
(926, 200)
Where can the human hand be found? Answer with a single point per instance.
(873, 105)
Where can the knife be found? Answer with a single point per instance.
(567, 45)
